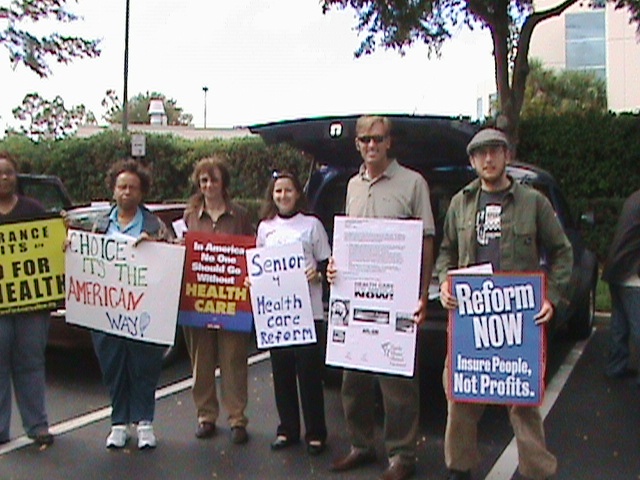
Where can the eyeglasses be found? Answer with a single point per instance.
(367, 138)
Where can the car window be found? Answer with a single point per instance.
(47, 194)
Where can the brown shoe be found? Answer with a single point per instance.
(398, 471)
(354, 459)
(206, 430)
(239, 435)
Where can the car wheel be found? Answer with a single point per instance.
(581, 323)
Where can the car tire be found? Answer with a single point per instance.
(581, 323)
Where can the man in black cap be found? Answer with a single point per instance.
(621, 273)
(496, 220)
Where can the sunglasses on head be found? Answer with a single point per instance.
(276, 175)
(367, 138)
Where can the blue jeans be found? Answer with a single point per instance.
(625, 325)
(131, 370)
(23, 339)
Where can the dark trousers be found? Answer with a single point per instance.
(305, 363)
(131, 370)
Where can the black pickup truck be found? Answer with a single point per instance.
(47, 189)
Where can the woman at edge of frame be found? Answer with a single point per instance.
(284, 221)
(23, 336)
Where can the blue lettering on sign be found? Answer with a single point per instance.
(294, 335)
(274, 265)
(133, 325)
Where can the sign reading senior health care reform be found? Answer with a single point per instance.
(31, 265)
(280, 296)
(496, 349)
(117, 288)
(213, 291)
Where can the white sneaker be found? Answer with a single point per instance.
(118, 436)
(146, 437)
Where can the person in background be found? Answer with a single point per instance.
(130, 368)
(23, 336)
(496, 220)
(621, 271)
(383, 188)
(283, 222)
(211, 210)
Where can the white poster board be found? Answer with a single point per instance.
(375, 294)
(280, 297)
(128, 291)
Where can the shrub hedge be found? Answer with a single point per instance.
(594, 157)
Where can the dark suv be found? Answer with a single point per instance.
(435, 147)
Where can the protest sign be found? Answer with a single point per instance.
(496, 349)
(280, 296)
(31, 265)
(374, 296)
(117, 288)
(213, 291)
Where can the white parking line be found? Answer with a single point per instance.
(101, 414)
(507, 464)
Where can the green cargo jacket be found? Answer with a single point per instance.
(529, 224)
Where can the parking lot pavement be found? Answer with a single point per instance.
(592, 428)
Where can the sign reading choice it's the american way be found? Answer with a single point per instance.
(280, 296)
(117, 288)
(31, 265)
(213, 291)
(497, 350)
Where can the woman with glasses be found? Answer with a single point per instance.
(23, 336)
(283, 222)
(211, 210)
(130, 368)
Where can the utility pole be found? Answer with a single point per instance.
(205, 90)
(125, 101)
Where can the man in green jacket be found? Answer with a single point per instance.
(496, 220)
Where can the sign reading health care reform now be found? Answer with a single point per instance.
(496, 349)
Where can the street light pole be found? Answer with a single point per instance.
(205, 90)
(125, 93)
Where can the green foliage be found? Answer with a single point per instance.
(49, 119)
(550, 92)
(138, 109)
(82, 163)
(32, 51)
(594, 157)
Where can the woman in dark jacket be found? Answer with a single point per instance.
(23, 337)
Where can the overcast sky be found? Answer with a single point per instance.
(262, 60)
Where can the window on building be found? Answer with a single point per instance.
(586, 43)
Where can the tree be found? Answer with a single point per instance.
(138, 109)
(50, 119)
(33, 51)
(549, 92)
(397, 24)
